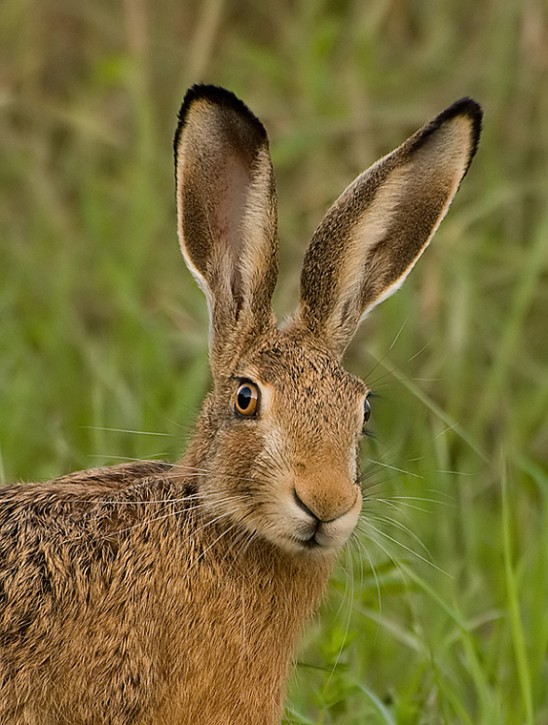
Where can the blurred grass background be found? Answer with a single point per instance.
(439, 611)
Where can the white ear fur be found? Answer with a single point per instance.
(373, 235)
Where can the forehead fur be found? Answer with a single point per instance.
(286, 357)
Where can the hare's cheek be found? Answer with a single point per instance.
(274, 459)
(237, 452)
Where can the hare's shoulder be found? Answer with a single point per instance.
(68, 540)
(124, 474)
(90, 484)
(86, 508)
(76, 553)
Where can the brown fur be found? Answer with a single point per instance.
(119, 613)
(151, 593)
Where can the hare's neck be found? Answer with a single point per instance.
(249, 603)
(237, 633)
(233, 635)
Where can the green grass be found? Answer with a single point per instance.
(438, 611)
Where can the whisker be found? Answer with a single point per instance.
(385, 354)
(396, 505)
(409, 550)
(156, 519)
(202, 555)
(348, 617)
(361, 549)
(419, 352)
(395, 468)
(126, 430)
(421, 498)
(371, 536)
(402, 527)
(109, 456)
(456, 473)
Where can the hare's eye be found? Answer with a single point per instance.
(366, 410)
(247, 400)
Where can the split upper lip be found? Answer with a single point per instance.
(309, 542)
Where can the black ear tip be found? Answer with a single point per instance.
(465, 107)
(215, 94)
(219, 97)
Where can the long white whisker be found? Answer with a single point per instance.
(363, 549)
(127, 430)
(395, 468)
(394, 522)
(420, 498)
(370, 532)
(408, 549)
(397, 505)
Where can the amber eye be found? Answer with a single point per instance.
(247, 400)
(366, 410)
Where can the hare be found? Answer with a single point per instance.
(154, 594)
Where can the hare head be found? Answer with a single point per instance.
(279, 433)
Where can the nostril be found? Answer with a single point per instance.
(303, 506)
(327, 509)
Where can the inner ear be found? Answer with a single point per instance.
(233, 196)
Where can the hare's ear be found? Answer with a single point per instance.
(226, 210)
(374, 233)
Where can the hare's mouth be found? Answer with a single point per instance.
(309, 532)
(311, 543)
(293, 527)
(317, 535)
(321, 537)
(317, 542)
(308, 543)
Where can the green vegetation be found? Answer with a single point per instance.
(439, 611)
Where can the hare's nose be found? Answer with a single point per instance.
(301, 504)
(324, 509)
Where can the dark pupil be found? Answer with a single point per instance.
(244, 397)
